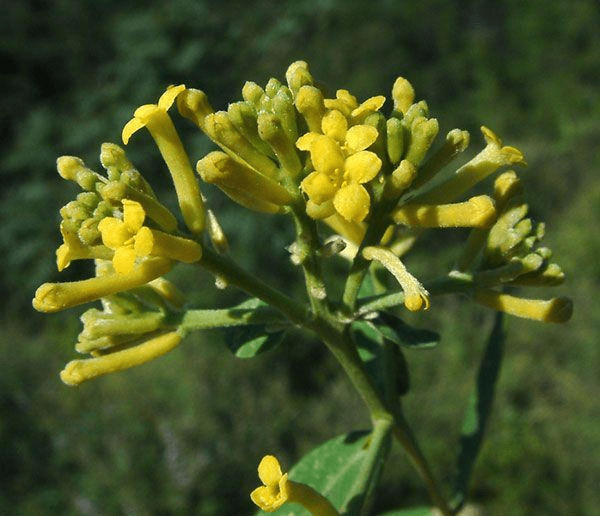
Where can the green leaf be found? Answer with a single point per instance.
(332, 469)
(251, 340)
(253, 337)
(480, 405)
(414, 511)
(401, 333)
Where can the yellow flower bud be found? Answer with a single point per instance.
(297, 76)
(490, 159)
(194, 105)
(78, 371)
(558, 309)
(53, 297)
(221, 130)
(403, 95)
(477, 212)
(271, 130)
(415, 295)
(310, 104)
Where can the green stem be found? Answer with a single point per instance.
(224, 267)
(350, 361)
(207, 319)
(371, 467)
(334, 333)
(307, 243)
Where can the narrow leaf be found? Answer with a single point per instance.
(403, 334)
(480, 405)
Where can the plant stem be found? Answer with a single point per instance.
(222, 266)
(334, 332)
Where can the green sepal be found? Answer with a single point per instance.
(333, 470)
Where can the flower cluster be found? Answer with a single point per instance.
(338, 164)
(118, 222)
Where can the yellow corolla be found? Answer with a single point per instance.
(130, 239)
(342, 166)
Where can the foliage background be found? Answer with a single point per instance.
(183, 435)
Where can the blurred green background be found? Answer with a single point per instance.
(183, 435)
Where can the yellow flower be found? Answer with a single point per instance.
(415, 295)
(278, 489)
(130, 239)
(342, 166)
(274, 493)
(347, 104)
(53, 297)
(156, 119)
(78, 371)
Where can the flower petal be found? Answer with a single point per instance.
(124, 259)
(269, 470)
(359, 137)
(352, 202)
(368, 106)
(319, 187)
(306, 140)
(326, 155)
(143, 242)
(114, 232)
(131, 127)
(133, 215)
(168, 97)
(361, 167)
(335, 125)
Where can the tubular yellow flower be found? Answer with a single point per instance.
(477, 212)
(415, 295)
(557, 310)
(156, 119)
(130, 239)
(490, 159)
(53, 297)
(279, 489)
(78, 371)
(342, 166)
(194, 105)
(223, 132)
(228, 174)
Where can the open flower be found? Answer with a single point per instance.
(342, 166)
(274, 493)
(278, 489)
(130, 239)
